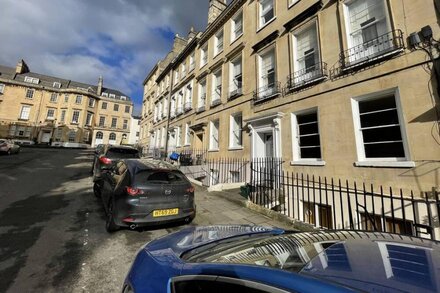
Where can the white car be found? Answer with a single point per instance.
(7, 146)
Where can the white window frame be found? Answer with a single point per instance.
(179, 135)
(75, 118)
(351, 31)
(261, 78)
(30, 94)
(63, 116)
(92, 104)
(33, 80)
(25, 112)
(101, 121)
(296, 150)
(2, 88)
(78, 99)
(192, 62)
(232, 74)
(114, 122)
(214, 140)
(187, 135)
(89, 118)
(57, 84)
(317, 53)
(292, 2)
(262, 13)
(232, 124)
(53, 97)
(50, 114)
(217, 82)
(380, 162)
(234, 20)
(125, 124)
(219, 42)
(201, 101)
(66, 98)
(203, 55)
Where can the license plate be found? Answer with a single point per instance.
(164, 213)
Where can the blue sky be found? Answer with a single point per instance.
(83, 39)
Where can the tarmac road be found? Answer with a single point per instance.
(52, 236)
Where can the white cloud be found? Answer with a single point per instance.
(83, 39)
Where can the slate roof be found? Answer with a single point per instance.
(48, 81)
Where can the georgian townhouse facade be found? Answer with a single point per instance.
(47, 109)
(335, 88)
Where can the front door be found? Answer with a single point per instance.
(268, 145)
(45, 136)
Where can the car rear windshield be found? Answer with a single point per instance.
(159, 177)
(121, 153)
(282, 252)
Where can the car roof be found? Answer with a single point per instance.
(138, 165)
(111, 146)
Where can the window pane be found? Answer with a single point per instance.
(384, 150)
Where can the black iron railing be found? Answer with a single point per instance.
(267, 92)
(200, 109)
(383, 46)
(215, 102)
(307, 76)
(337, 204)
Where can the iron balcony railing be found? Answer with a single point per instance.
(235, 93)
(307, 76)
(267, 92)
(215, 102)
(188, 106)
(381, 47)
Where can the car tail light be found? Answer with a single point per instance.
(190, 189)
(105, 161)
(134, 191)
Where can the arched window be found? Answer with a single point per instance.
(99, 135)
(112, 136)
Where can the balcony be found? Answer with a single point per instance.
(179, 111)
(384, 46)
(215, 102)
(267, 92)
(200, 109)
(307, 76)
(235, 93)
(188, 106)
(172, 115)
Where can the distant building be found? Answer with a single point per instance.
(135, 127)
(49, 109)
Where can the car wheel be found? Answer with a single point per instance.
(110, 224)
(97, 189)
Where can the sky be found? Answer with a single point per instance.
(82, 39)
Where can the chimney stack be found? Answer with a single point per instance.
(216, 7)
(100, 84)
(21, 67)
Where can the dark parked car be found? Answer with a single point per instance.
(105, 155)
(139, 192)
(256, 259)
(8, 147)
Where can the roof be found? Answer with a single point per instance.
(48, 82)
